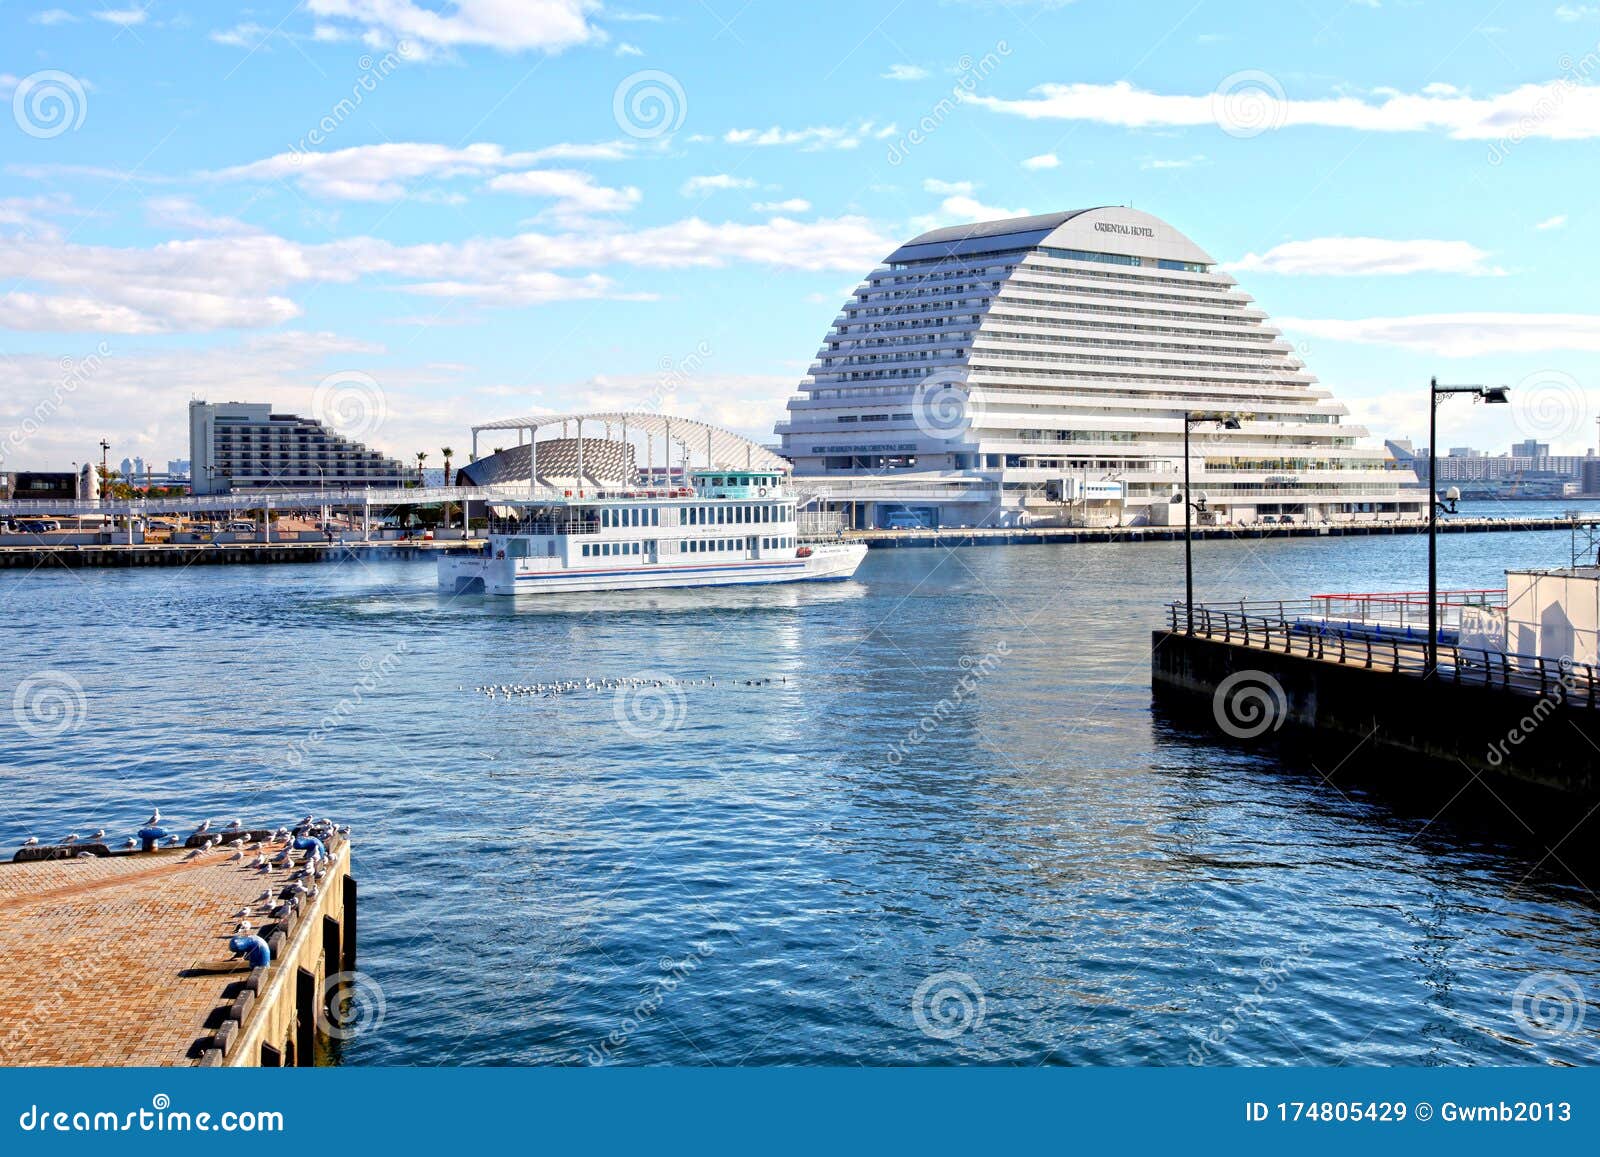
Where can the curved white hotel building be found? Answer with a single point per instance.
(1040, 369)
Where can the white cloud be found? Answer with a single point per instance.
(576, 193)
(211, 283)
(906, 72)
(1558, 109)
(1042, 161)
(507, 25)
(1365, 257)
(380, 172)
(1571, 13)
(141, 395)
(1459, 335)
(1556, 222)
(1172, 162)
(699, 186)
(246, 35)
(53, 16)
(792, 205)
(935, 185)
(961, 209)
(122, 17)
(625, 49)
(182, 213)
(812, 139)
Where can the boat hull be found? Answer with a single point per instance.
(505, 576)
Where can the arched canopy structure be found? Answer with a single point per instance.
(684, 442)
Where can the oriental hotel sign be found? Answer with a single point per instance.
(1128, 230)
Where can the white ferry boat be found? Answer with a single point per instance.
(725, 527)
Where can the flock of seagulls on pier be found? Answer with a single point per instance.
(625, 684)
(307, 836)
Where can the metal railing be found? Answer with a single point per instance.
(1402, 610)
(542, 526)
(1560, 680)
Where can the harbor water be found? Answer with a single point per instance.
(927, 816)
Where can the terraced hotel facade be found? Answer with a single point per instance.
(1039, 369)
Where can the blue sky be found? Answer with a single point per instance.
(409, 216)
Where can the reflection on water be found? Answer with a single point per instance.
(950, 830)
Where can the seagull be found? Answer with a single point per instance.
(155, 818)
(84, 856)
(205, 826)
(236, 857)
(233, 826)
(132, 843)
(243, 927)
(72, 839)
(31, 841)
(99, 834)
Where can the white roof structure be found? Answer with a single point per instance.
(719, 447)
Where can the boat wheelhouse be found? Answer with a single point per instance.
(589, 518)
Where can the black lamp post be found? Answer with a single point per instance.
(1496, 395)
(1227, 422)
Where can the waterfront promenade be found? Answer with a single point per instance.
(1010, 536)
(113, 554)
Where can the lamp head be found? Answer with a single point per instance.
(1453, 494)
(1496, 395)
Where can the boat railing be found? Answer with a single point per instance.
(1561, 679)
(544, 526)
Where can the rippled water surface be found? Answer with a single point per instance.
(946, 826)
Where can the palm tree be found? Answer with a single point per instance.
(422, 456)
(448, 454)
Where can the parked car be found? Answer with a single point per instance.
(241, 526)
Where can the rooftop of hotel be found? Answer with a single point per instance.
(123, 959)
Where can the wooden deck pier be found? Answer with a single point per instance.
(124, 958)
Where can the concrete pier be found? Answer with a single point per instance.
(1018, 536)
(1504, 718)
(123, 958)
(192, 554)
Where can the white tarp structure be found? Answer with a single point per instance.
(1554, 614)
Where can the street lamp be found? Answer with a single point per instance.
(1493, 395)
(1190, 420)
